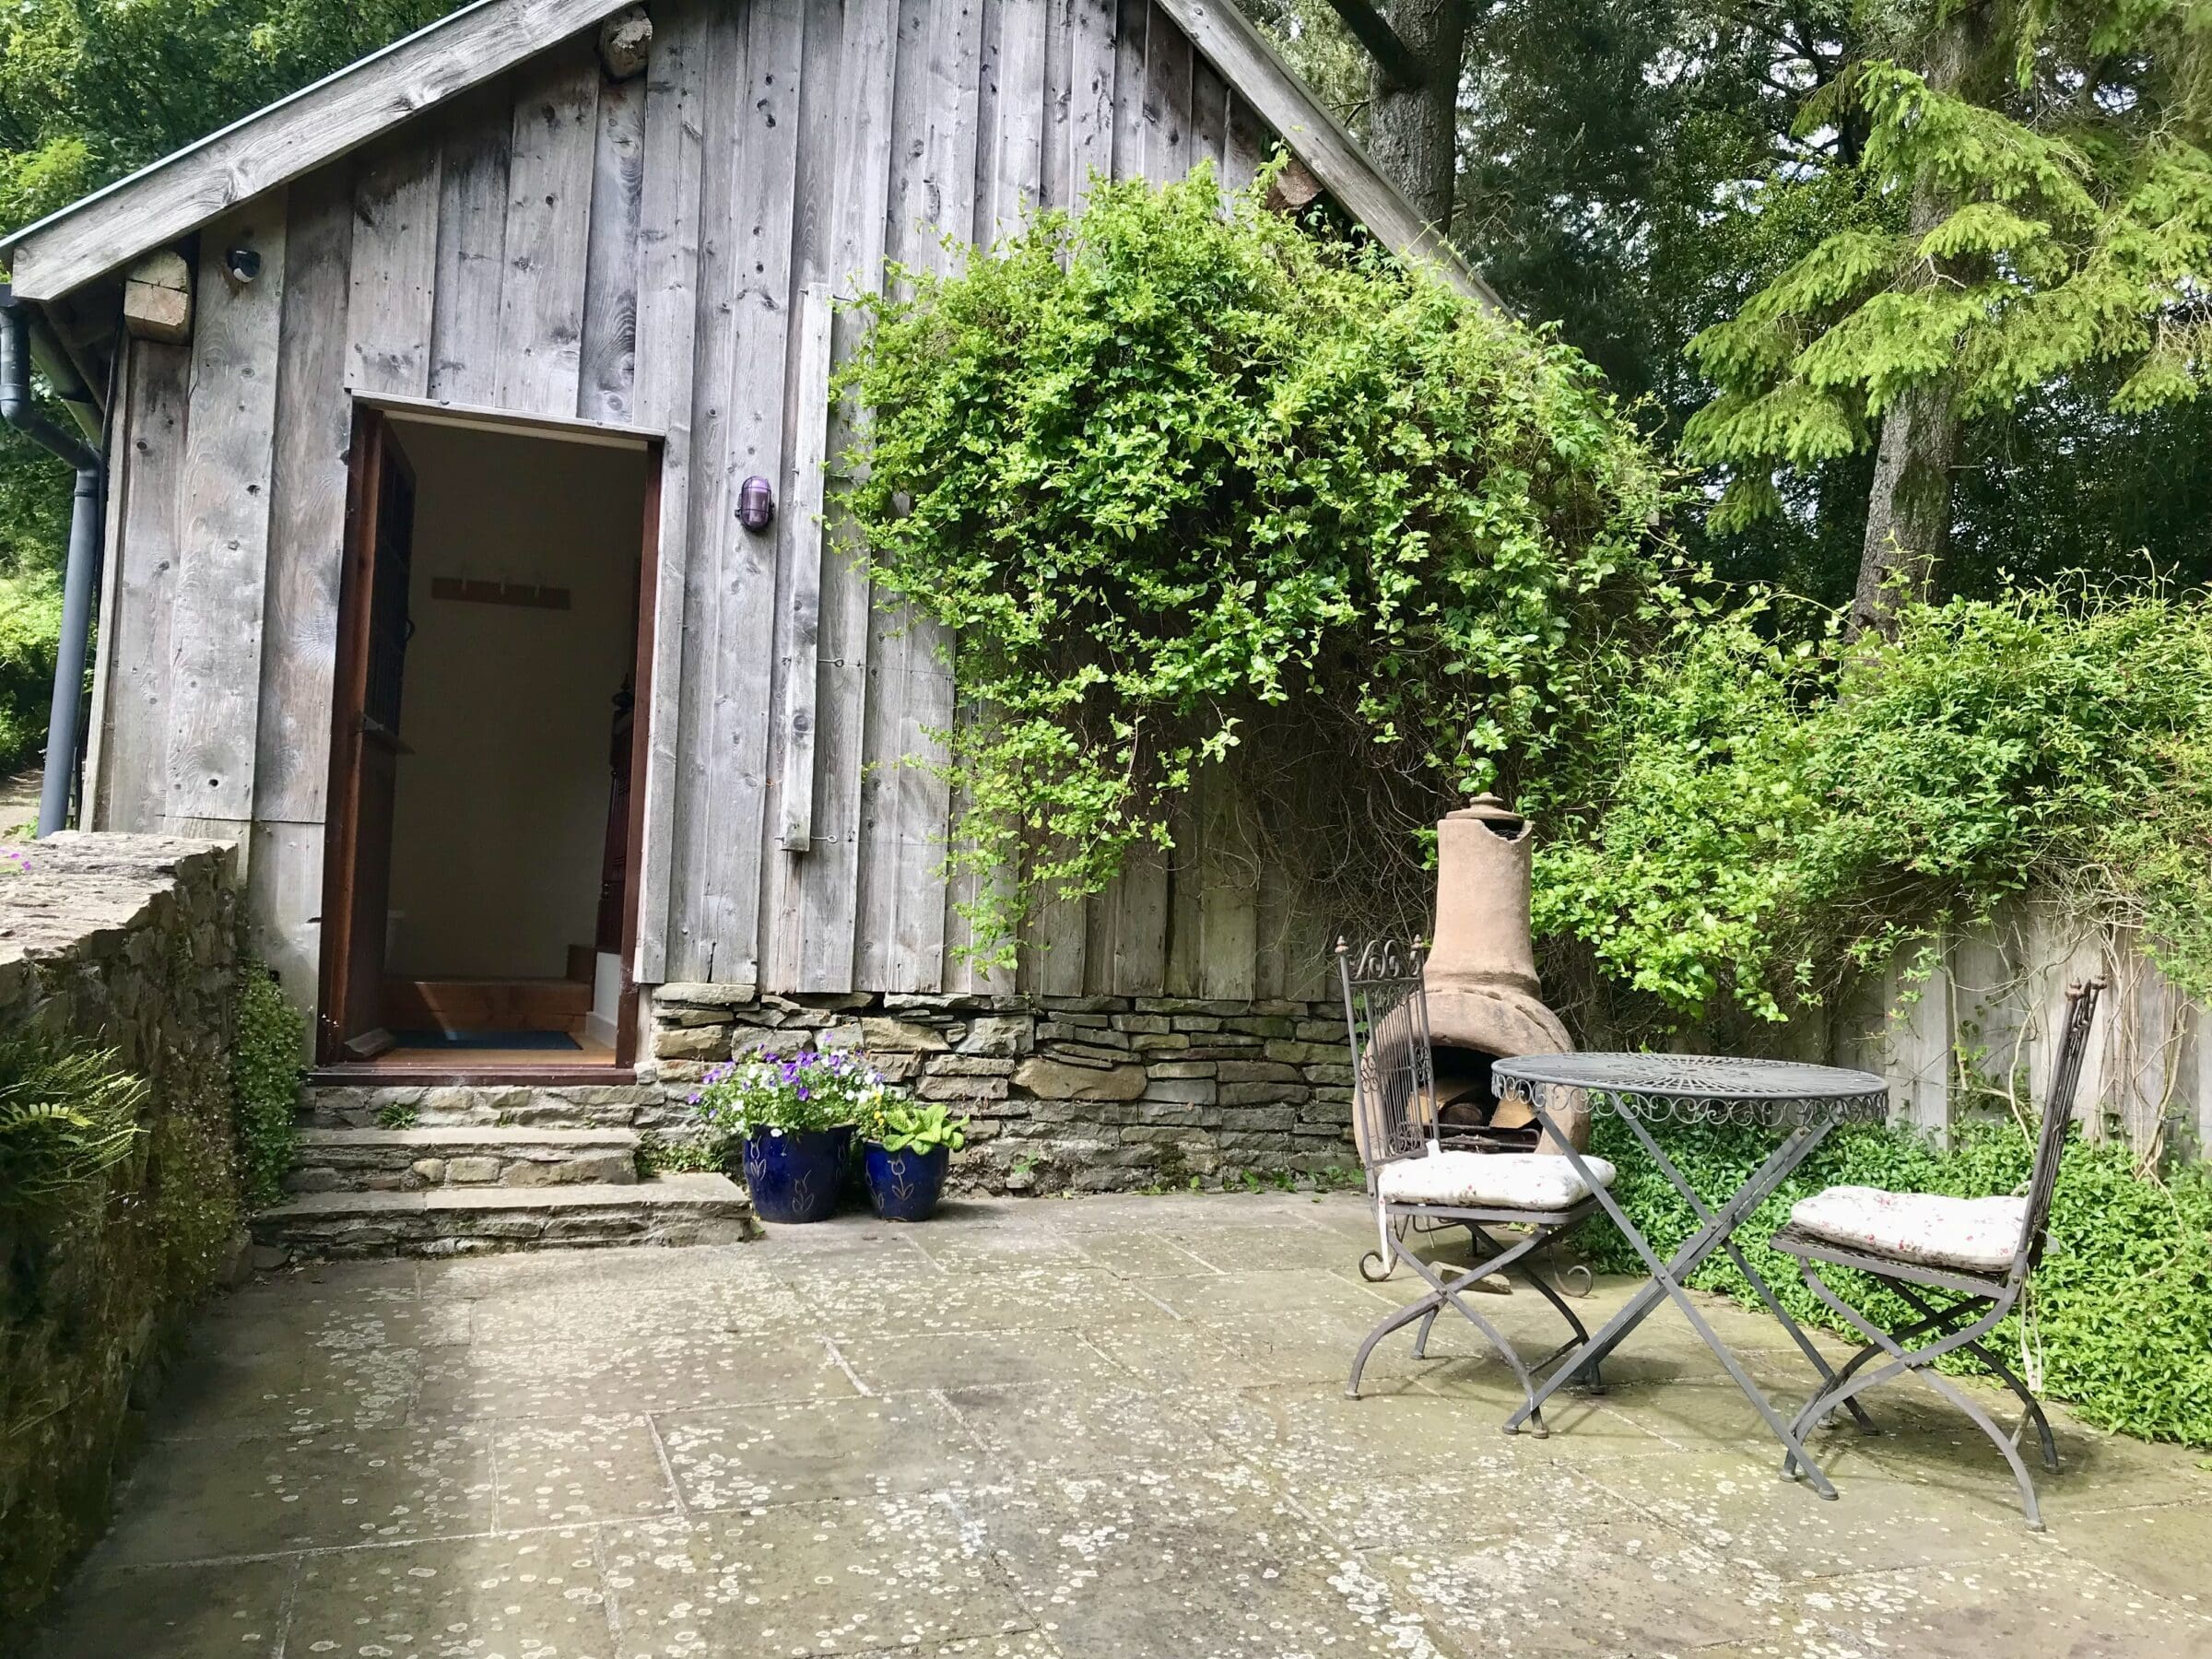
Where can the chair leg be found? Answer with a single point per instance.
(1997, 1437)
(1589, 1379)
(1397, 1319)
(2034, 1406)
(1919, 1362)
(1420, 1337)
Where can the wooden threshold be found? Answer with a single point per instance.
(356, 1074)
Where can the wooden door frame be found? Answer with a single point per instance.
(371, 415)
(348, 702)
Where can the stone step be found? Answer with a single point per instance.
(362, 1161)
(441, 1221)
(484, 1106)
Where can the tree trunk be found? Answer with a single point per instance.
(1413, 132)
(1909, 510)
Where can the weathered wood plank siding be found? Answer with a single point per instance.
(660, 253)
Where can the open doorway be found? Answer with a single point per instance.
(480, 872)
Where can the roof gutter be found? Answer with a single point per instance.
(19, 408)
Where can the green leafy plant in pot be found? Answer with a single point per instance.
(787, 1125)
(906, 1148)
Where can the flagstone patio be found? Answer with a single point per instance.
(1104, 1427)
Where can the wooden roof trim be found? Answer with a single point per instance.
(1249, 63)
(161, 203)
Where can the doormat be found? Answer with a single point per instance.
(484, 1040)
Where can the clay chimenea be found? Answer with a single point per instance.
(1484, 999)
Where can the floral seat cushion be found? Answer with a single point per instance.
(1979, 1235)
(1524, 1180)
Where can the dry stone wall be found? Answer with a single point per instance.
(1088, 1094)
(131, 944)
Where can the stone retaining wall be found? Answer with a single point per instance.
(1097, 1093)
(129, 943)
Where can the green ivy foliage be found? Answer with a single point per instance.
(2121, 1306)
(1183, 461)
(265, 1083)
(1757, 821)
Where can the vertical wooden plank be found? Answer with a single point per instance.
(608, 369)
(307, 505)
(1127, 930)
(216, 635)
(1017, 178)
(1054, 178)
(695, 922)
(1209, 115)
(145, 485)
(1131, 18)
(799, 526)
(803, 610)
(549, 226)
(394, 268)
(744, 640)
(668, 239)
(472, 245)
(1186, 889)
(1093, 52)
(284, 906)
(1228, 891)
(1243, 147)
(905, 813)
(985, 195)
(828, 876)
(1167, 101)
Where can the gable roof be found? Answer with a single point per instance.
(160, 204)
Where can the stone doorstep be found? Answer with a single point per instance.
(375, 1160)
(669, 1209)
(479, 1106)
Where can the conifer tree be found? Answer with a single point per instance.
(2040, 174)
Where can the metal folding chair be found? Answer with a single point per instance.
(1418, 1186)
(1946, 1275)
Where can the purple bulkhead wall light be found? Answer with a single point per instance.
(756, 504)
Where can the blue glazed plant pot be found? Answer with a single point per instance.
(793, 1174)
(905, 1186)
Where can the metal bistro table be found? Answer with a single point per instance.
(1807, 1101)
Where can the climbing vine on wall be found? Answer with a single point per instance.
(1183, 465)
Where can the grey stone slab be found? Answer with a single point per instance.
(216, 1612)
(1296, 1290)
(554, 1471)
(1082, 1428)
(978, 1358)
(1740, 1508)
(1611, 1587)
(805, 1579)
(540, 1594)
(1192, 1565)
(195, 1499)
(667, 1373)
(746, 1457)
(2166, 1551)
(2020, 1610)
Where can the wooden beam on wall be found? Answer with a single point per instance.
(1260, 77)
(216, 635)
(668, 232)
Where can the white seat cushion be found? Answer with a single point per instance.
(1526, 1180)
(1977, 1234)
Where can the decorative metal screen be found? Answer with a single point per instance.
(1394, 1089)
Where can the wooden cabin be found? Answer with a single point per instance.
(436, 396)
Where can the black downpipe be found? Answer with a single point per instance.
(87, 524)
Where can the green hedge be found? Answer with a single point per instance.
(30, 631)
(265, 1084)
(2121, 1305)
